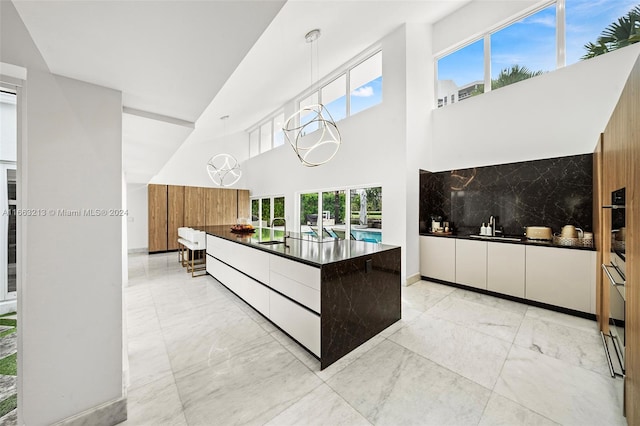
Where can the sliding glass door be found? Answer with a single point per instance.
(8, 227)
(8, 193)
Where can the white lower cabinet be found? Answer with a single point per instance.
(254, 293)
(561, 277)
(301, 324)
(252, 262)
(471, 263)
(505, 268)
(438, 258)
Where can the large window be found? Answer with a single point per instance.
(558, 34)
(334, 97)
(265, 209)
(325, 214)
(524, 49)
(334, 205)
(278, 134)
(365, 83)
(461, 74)
(307, 116)
(267, 135)
(587, 19)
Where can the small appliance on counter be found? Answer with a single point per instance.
(540, 233)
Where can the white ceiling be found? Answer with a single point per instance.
(199, 60)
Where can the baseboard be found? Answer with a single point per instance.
(138, 250)
(413, 279)
(107, 414)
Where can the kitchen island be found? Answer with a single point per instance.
(329, 295)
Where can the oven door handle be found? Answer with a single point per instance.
(606, 268)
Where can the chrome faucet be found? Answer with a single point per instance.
(284, 223)
(492, 225)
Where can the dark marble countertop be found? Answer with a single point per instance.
(523, 241)
(300, 247)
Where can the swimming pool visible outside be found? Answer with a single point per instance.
(360, 235)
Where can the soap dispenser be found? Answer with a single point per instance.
(483, 230)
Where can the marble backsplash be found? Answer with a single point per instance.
(551, 192)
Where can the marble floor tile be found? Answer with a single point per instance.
(199, 355)
(256, 386)
(148, 359)
(408, 316)
(156, 403)
(421, 296)
(492, 301)
(391, 385)
(560, 391)
(501, 411)
(296, 350)
(573, 345)
(322, 406)
(349, 358)
(476, 316)
(563, 319)
(212, 344)
(471, 354)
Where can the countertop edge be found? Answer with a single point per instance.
(523, 242)
(382, 248)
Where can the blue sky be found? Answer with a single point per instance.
(531, 41)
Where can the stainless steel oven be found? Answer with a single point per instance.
(616, 274)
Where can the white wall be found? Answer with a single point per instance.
(188, 166)
(70, 288)
(556, 114)
(420, 75)
(138, 217)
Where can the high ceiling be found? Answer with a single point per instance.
(183, 64)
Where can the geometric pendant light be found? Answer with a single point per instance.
(224, 169)
(321, 145)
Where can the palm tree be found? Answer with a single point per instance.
(512, 75)
(618, 34)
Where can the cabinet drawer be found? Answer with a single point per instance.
(505, 269)
(304, 274)
(306, 295)
(302, 325)
(251, 261)
(251, 291)
(438, 258)
(561, 277)
(471, 263)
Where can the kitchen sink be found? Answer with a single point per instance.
(270, 243)
(495, 238)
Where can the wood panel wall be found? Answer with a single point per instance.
(194, 201)
(621, 161)
(172, 206)
(157, 199)
(221, 206)
(175, 212)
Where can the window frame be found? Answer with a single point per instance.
(486, 36)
